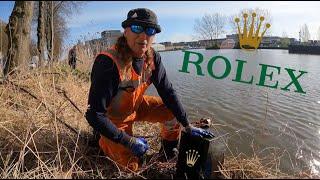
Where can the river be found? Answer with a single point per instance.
(254, 118)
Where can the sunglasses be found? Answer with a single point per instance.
(150, 31)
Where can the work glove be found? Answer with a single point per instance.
(194, 131)
(138, 146)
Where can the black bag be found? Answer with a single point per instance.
(198, 157)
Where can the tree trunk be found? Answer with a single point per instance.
(40, 32)
(3, 38)
(18, 31)
(48, 30)
(52, 31)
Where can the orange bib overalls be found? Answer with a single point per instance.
(129, 105)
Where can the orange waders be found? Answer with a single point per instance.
(129, 105)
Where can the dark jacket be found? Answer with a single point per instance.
(104, 86)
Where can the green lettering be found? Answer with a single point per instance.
(196, 63)
(264, 74)
(239, 72)
(294, 80)
(227, 70)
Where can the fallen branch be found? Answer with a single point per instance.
(67, 97)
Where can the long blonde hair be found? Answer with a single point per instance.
(125, 51)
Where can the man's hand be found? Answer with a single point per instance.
(138, 146)
(198, 132)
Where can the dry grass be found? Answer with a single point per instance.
(35, 142)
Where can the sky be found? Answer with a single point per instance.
(177, 19)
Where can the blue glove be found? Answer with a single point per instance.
(138, 146)
(198, 132)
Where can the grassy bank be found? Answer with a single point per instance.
(43, 134)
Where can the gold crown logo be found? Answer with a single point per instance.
(192, 157)
(250, 40)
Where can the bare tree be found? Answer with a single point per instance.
(18, 31)
(284, 34)
(304, 33)
(61, 11)
(33, 48)
(40, 31)
(285, 41)
(55, 29)
(210, 26)
(3, 45)
(259, 12)
(49, 29)
(3, 38)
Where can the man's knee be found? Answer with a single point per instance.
(152, 100)
(171, 125)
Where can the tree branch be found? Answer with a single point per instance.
(56, 8)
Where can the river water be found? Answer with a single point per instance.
(253, 118)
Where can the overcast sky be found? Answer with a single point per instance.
(177, 19)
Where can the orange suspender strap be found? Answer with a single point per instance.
(114, 59)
